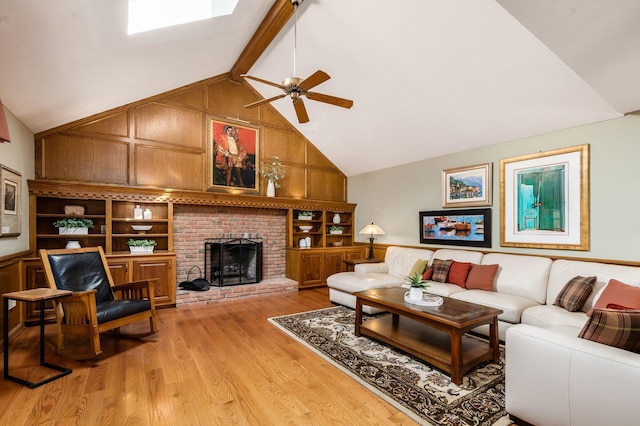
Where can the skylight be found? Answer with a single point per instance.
(147, 15)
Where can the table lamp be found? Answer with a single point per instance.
(372, 230)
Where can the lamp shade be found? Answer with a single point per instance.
(4, 127)
(372, 230)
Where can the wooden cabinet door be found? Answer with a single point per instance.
(311, 269)
(354, 253)
(161, 268)
(119, 271)
(333, 263)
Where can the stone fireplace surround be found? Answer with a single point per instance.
(193, 224)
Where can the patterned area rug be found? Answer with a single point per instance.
(422, 392)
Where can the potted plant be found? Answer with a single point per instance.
(305, 215)
(77, 226)
(141, 246)
(273, 172)
(335, 229)
(417, 286)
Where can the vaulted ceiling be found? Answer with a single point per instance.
(428, 77)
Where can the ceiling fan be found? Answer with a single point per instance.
(296, 88)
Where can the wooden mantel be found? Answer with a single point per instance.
(63, 189)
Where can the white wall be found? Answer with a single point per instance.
(393, 197)
(19, 156)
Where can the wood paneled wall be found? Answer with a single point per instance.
(161, 142)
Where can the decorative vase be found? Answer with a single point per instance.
(308, 240)
(271, 189)
(415, 293)
(72, 244)
(336, 218)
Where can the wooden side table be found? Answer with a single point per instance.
(351, 263)
(34, 295)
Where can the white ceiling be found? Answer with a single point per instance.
(428, 77)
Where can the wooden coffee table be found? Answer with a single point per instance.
(434, 334)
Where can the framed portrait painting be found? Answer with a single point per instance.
(544, 200)
(10, 202)
(467, 186)
(232, 155)
(470, 227)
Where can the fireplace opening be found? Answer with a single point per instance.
(233, 261)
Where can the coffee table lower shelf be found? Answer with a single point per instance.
(426, 343)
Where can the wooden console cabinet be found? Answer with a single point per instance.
(311, 267)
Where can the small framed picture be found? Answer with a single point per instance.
(467, 186)
(10, 214)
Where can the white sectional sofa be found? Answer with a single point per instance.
(553, 377)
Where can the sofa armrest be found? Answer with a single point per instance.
(552, 378)
(362, 268)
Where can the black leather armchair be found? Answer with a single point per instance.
(96, 305)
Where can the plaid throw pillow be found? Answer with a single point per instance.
(613, 327)
(575, 293)
(440, 270)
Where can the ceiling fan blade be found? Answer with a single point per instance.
(264, 101)
(313, 80)
(279, 86)
(301, 111)
(333, 100)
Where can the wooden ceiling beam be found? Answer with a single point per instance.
(273, 22)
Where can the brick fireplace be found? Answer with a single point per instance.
(195, 224)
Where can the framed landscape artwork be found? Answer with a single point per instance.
(233, 152)
(470, 227)
(544, 200)
(467, 186)
(10, 211)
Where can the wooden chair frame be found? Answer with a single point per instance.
(76, 315)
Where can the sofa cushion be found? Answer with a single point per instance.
(613, 327)
(441, 270)
(418, 267)
(458, 273)
(520, 275)
(481, 277)
(563, 270)
(546, 316)
(400, 260)
(512, 306)
(443, 289)
(428, 273)
(619, 293)
(575, 293)
(350, 282)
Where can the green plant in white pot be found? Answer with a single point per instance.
(72, 225)
(417, 286)
(305, 215)
(335, 229)
(141, 246)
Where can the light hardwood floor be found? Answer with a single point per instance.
(219, 364)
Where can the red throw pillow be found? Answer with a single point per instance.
(481, 277)
(619, 293)
(427, 274)
(458, 273)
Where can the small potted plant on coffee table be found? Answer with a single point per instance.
(77, 226)
(417, 286)
(141, 246)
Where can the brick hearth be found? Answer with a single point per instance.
(194, 224)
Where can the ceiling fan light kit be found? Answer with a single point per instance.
(297, 88)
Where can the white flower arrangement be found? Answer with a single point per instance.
(273, 171)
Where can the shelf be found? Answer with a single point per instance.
(70, 236)
(131, 220)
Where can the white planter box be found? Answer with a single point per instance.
(335, 232)
(141, 250)
(73, 231)
(305, 217)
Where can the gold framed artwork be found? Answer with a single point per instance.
(10, 202)
(232, 155)
(544, 200)
(467, 186)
